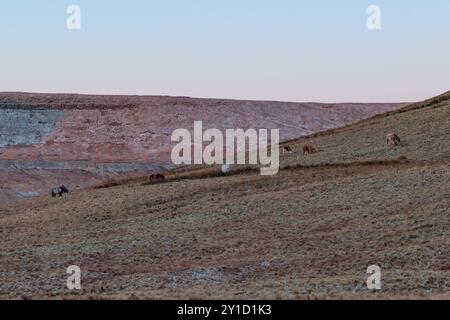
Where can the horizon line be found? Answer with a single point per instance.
(211, 98)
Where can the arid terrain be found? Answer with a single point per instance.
(82, 140)
(308, 233)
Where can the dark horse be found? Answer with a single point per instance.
(157, 178)
(59, 191)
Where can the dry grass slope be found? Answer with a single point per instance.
(310, 232)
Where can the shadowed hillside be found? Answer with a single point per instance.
(309, 232)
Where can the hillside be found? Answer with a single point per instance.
(83, 140)
(309, 232)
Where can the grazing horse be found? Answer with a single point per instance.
(393, 138)
(308, 149)
(157, 178)
(288, 150)
(60, 191)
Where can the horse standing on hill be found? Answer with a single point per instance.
(308, 149)
(60, 191)
(157, 178)
(288, 150)
(393, 139)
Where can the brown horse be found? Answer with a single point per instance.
(157, 178)
(308, 149)
(393, 138)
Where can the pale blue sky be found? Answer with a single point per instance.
(291, 50)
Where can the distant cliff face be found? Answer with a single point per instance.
(26, 126)
(47, 140)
